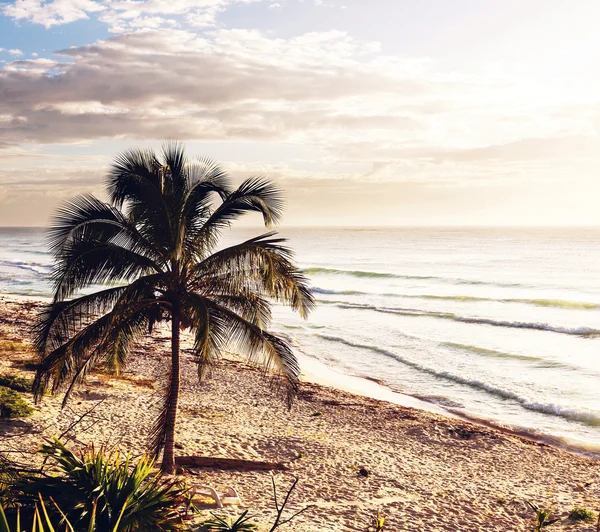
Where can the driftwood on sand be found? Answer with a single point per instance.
(235, 464)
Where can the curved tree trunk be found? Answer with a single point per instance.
(168, 463)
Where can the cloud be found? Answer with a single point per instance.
(121, 15)
(334, 118)
(327, 92)
(51, 13)
(15, 51)
(235, 84)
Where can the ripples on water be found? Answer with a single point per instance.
(498, 324)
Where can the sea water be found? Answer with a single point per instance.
(497, 324)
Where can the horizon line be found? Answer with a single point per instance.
(382, 226)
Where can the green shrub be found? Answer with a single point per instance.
(37, 521)
(14, 382)
(582, 514)
(41, 518)
(12, 404)
(542, 517)
(113, 490)
(228, 524)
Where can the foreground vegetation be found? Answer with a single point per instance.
(97, 491)
(93, 491)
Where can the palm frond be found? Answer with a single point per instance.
(210, 338)
(135, 184)
(84, 263)
(206, 178)
(130, 169)
(223, 328)
(107, 338)
(175, 179)
(206, 170)
(249, 305)
(253, 195)
(88, 218)
(260, 264)
(59, 320)
(59, 365)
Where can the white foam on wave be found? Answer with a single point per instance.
(587, 417)
(36, 267)
(575, 331)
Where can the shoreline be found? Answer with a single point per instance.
(425, 470)
(365, 387)
(316, 372)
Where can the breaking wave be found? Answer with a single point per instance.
(383, 275)
(587, 417)
(36, 267)
(554, 303)
(575, 331)
(539, 361)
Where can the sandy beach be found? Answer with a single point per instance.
(425, 471)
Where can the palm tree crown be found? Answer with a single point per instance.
(154, 243)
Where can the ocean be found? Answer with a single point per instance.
(501, 325)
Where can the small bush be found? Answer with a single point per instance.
(582, 514)
(14, 382)
(12, 404)
(114, 491)
(228, 524)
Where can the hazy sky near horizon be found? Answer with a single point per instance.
(380, 112)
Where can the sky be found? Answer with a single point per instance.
(386, 112)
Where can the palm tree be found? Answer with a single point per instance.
(155, 245)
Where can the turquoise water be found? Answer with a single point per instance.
(500, 324)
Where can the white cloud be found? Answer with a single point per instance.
(15, 51)
(325, 90)
(236, 84)
(121, 15)
(51, 13)
(339, 99)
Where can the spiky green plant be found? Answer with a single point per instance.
(155, 242)
(109, 490)
(41, 521)
(542, 517)
(228, 524)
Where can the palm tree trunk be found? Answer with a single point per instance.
(168, 463)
